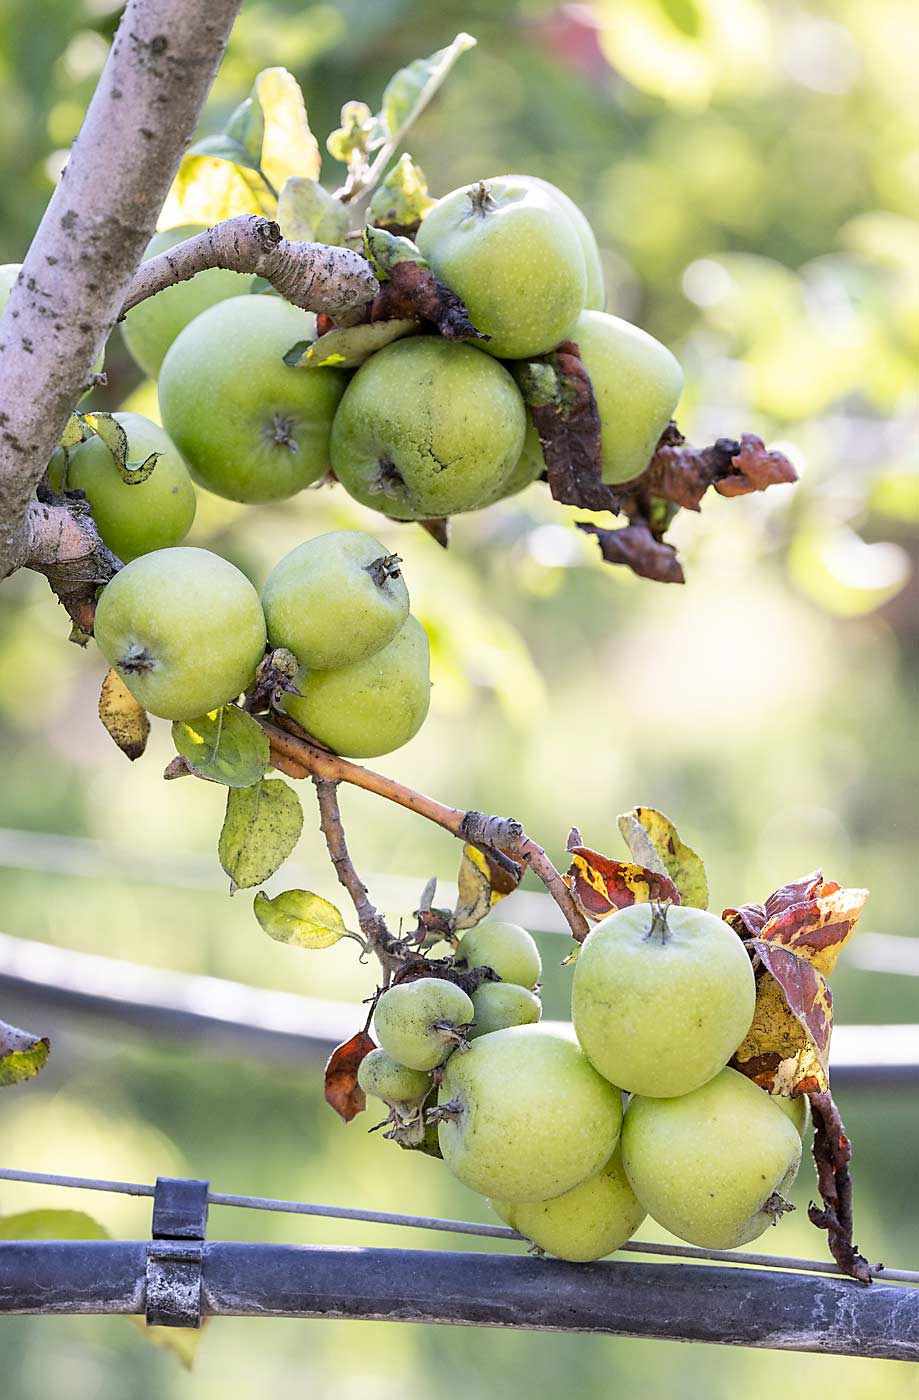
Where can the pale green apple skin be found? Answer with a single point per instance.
(372, 706)
(703, 1165)
(150, 328)
(595, 289)
(407, 1017)
(384, 1078)
(195, 617)
(322, 604)
(660, 1016)
(427, 428)
(250, 428)
(535, 1119)
(530, 466)
(637, 383)
(517, 264)
(507, 949)
(798, 1110)
(501, 1004)
(133, 520)
(589, 1222)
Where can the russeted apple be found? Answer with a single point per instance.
(588, 1222)
(501, 1004)
(250, 428)
(427, 428)
(151, 327)
(372, 706)
(525, 1115)
(419, 1023)
(712, 1166)
(335, 599)
(132, 519)
(183, 628)
(507, 949)
(637, 383)
(661, 997)
(506, 247)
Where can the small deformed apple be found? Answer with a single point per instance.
(507, 949)
(394, 1083)
(501, 1004)
(420, 1023)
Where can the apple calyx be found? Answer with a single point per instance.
(280, 432)
(136, 660)
(775, 1206)
(659, 928)
(453, 1035)
(387, 480)
(480, 200)
(386, 567)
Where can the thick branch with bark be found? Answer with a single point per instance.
(313, 276)
(163, 59)
(371, 921)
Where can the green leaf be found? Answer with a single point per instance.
(260, 829)
(383, 250)
(654, 842)
(226, 746)
(22, 1054)
(401, 201)
(247, 128)
(349, 346)
(309, 214)
(51, 1225)
(289, 147)
(410, 90)
(224, 147)
(116, 440)
(300, 918)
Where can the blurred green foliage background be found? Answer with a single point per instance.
(752, 172)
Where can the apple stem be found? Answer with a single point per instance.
(480, 200)
(659, 927)
(386, 567)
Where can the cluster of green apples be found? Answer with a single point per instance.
(426, 427)
(575, 1134)
(187, 631)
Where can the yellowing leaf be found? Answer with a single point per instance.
(124, 719)
(300, 918)
(207, 190)
(349, 346)
(401, 200)
(260, 829)
(481, 883)
(116, 440)
(22, 1054)
(787, 1048)
(653, 841)
(227, 746)
(601, 885)
(288, 147)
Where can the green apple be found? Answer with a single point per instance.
(509, 251)
(335, 599)
(397, 1085)
(507, 949)
(525, 1116)
(637, 383)
(183, 628)
(662, 997)
(152, 514)
(595, 293)
(588, 1222)
(530, 467)
(372, 706)
(420, 1023)
(706, 1165)
(249, 427)
(150, 328)
(8, 274)
(797, 1110)
(427, 428)
(501, 1004)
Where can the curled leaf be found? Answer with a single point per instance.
(562, 404)
(755, 469)
(261, 827)
(116, 440)
(349, 346)
(601, 885)
(385, 251)
(482, 881)
(22, 1055)
(786, 1050)
(654, 842)
(225, 746)
(289, 146)
(342, 1091)
(410, 90)
(359, 134)
(401, 200)
(636, 547)
(409, 290)
(123, 718)
(300, 918)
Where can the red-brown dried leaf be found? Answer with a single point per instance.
(748, 921)
(681, 473)
(755, 469)
(636, 547)
(342, 1091)
(563, 406)
(412, 290)
(439, 529)
(601, 885)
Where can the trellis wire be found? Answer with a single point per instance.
(457, 1227)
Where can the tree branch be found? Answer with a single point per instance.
(310, 275)
(832, 1153)
(298, 757)
(163, 59)
(62, 543)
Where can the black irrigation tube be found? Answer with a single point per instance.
(678, 1302)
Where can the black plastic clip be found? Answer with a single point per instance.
(174, 1257)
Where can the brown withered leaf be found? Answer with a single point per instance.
(754, 469)
(482, 881)
(681, 473)
(557, 390)
(636, 547)
(438, 528)
(124, 719)
(342, 1091)
(601, 885)
(412, 290)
